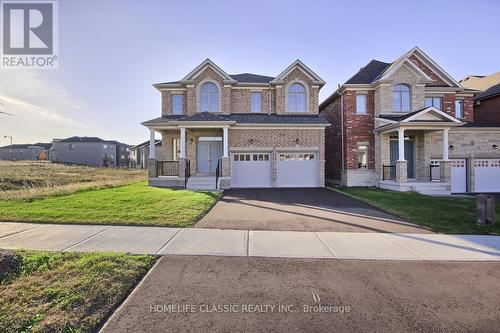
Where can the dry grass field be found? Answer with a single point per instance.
(29, 179)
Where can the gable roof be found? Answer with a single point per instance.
(301, 65)
(206, 63)
(44, 145)
(369, 73)
(413, 116)
(82, 139)
(488, 93)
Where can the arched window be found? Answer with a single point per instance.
(401, 98)
(296, 98)
(209, 97)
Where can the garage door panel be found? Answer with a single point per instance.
(297, 169)
(251, 170)
(487, 175)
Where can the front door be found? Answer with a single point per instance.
(209, 153)
(394, 154)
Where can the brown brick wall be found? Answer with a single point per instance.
(241, 100)
(437, 80)
(358, 128)
(488, 112)
(333, 140)
(166, 101)
(449, 106)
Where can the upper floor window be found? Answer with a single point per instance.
(361, 104)
(459, 108)
(401, 98)
(433, 101)
(177, 104)
(296, 98)
(209, 97)
(256, 101)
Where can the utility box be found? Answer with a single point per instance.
(485, 210)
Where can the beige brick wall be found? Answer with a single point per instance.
(467, 143)
(166, 101)
(297, 75)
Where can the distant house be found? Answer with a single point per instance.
(91, 151)
(139, 154)
(487, 98)
(25, 152)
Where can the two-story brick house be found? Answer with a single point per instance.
(408, 126)
(243, 130)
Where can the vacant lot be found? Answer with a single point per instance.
(27, 180)
(66, 292)
(133, 204)
(446, 215)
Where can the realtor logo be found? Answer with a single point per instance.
(29, 34)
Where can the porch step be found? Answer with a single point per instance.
(201, 183)
(431, 188)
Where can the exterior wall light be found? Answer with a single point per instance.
(191, 141)
(495, 147)
(250, 141)
(297, 141)
(452, 147)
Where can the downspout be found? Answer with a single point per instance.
(342, 136)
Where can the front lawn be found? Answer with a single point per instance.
(66, 292)
(134, 204)
(445, 215)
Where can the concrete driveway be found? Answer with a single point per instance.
(191, 294)
(300, 209)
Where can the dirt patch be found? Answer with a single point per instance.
(383, 296)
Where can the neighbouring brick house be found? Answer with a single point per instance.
(487, 107)
(242, 130)
(24, 152)
(409, 126)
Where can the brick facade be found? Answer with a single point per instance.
(437, 81)
(487, 112)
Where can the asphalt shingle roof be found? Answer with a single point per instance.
(243, 77)
(490, 92)
(245, 118)
(369, 73)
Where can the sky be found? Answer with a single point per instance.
(111, 52)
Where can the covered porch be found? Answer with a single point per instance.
(191, 156)
(407, 161)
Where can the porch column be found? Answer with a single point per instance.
(183, 143)
(152, 163)
(401, 144)
(445, 144)
(401, 163)
(445, 164)
(225, 139)
(152, 145)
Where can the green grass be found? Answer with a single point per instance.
(134, 204)
(67, 292)
(445, 215)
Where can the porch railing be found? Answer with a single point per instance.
(168, 168)
(187, 172)
(217, 173)
(434, 172)
(388, 172)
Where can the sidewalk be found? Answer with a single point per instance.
(215, 242)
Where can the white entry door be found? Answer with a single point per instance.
(297, 169)
(487, 175)
(251, 169)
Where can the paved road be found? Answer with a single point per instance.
(253, 243)
(306, 209)
(382, 296)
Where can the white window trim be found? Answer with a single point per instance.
(251, 101)
(366, 103)
(198, 95)
(306, 87)
(172, 103)
(463, 108)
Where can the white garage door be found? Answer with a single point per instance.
(251, 170)
(458, 176)
(297, 169)
(487, 175)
